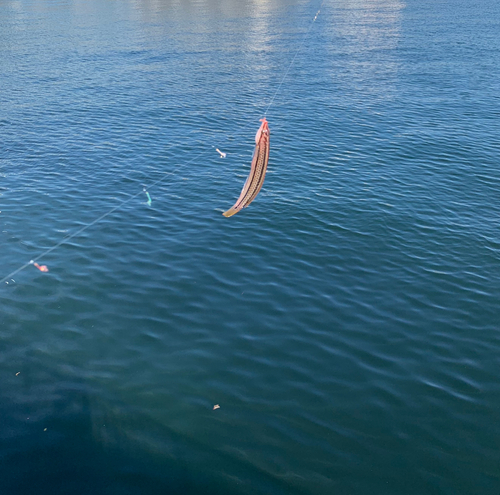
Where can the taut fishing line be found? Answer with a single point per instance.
(294, 57)
(165, 176)
(97, 220)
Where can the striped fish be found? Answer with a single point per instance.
(255, 180)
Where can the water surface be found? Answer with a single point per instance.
(346, 322)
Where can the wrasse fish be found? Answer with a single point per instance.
(255, 180)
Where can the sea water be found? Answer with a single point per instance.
(346, 323)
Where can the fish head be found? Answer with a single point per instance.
(264, 128)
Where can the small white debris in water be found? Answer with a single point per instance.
(216, 407)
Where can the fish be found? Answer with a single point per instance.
(258, 170)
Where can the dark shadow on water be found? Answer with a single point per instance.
(71, 444)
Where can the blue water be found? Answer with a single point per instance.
(346, 323)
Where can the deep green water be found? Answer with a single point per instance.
(347, 322)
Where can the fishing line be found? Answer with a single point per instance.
(306, 34)
(159, 181)
(244, 130)
(260, 159)
(294, 57)
(97, 220)
(109, 212)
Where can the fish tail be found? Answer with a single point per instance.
(231, 212)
